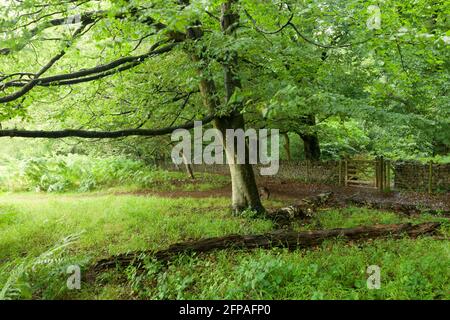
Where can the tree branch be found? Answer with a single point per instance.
(94, 73)
(268, 32)
(85, 18)
(292, 25)
(31, 84)
(99, 134)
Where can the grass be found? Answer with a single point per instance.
(409, 270)
(33, 226)
(77, 173)
(112, 224)
(173, 181)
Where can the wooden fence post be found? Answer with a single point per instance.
(380, 173)
(377, 172)
(388, 175)
(340, 172)
(308, 168)
(346, 172)
(430, 177)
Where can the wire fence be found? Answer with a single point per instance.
(377, 173)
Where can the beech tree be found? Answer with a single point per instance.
(114, 69)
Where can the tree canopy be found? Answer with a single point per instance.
(329, 72)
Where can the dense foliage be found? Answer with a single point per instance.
(305, 67)
(337, 78)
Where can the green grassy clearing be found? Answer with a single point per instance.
(32, 224)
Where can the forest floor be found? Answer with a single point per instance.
(41, 234)
(291, 192)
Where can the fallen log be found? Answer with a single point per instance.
(280, 238)
(304, 210)
(400, 207)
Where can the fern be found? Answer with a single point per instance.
(16, 286)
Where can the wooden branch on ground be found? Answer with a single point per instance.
(281, 238)
(304, 210)
(405, 208)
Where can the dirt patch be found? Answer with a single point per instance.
(292, 192)
(219, 192)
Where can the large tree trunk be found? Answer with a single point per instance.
(244, 189)
(311, 146)
(287, 146)
(245, 193)
(311, 141)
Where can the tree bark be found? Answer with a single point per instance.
(311, 146)
(90, 134)
(406, 208)
(304, 210)
(245, 193)
(281, 238)
(287, 146)
(311, 141)
(188, 166)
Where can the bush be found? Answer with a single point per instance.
(74, 173)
